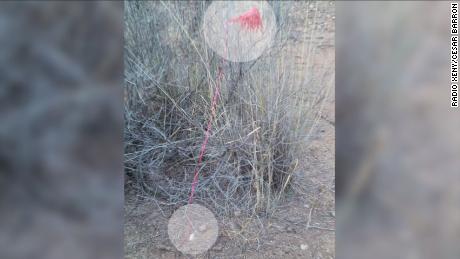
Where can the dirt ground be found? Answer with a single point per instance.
(301, 227)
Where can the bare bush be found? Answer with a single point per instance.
(265, 115)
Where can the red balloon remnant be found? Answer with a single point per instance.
(249, 20)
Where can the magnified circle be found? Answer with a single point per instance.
(239, 31)
(193, 229)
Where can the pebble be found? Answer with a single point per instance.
(163, 247)
(304, 246)
(202, 228)
(218, 247)
(290, 229)
(234, 226)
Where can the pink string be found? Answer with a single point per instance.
(250, 20)
(207, 134)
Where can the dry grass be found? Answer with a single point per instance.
(264, 117)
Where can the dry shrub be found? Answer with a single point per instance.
(263, 118)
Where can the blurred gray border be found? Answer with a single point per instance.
(61, 141)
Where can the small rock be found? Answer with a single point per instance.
(304, 246)
(218, 247)
(163, 247)
(234, 226)
(237, 213)
(202, 228)
(306, 206)
(332, 213)
(290, 229)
